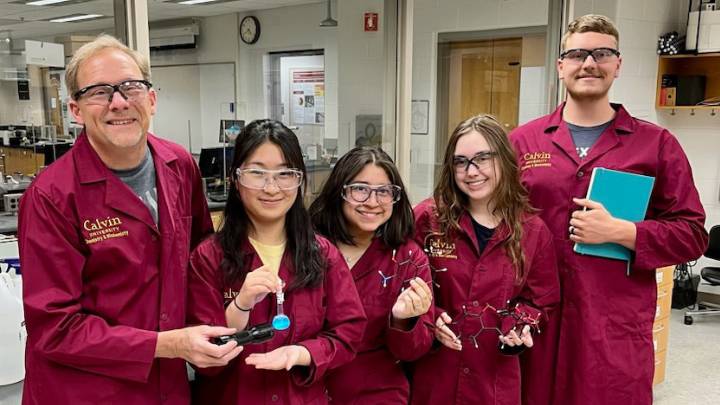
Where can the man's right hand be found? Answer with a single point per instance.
(193, 345)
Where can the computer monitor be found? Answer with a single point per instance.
(211, 161)
(229, 130)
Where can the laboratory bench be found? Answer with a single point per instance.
(27, 159)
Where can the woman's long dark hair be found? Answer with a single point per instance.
(308, 262)
(326, 211)
(510, 198)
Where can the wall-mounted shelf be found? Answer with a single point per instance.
(689, 107)
(704, 64)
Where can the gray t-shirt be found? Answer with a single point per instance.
(585, 137)
(142, 181)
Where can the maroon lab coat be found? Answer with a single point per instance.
(376, 375)
(480, 374)
(605, 352)
(100, 279)
(328, 320)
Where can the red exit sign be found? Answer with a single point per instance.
(371, 22)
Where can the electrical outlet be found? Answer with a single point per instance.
(11, 202)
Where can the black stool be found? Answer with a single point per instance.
(711, 275)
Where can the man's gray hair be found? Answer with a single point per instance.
(102, 42)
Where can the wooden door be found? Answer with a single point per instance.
(470, 81)
(485, 78)
(507, 54)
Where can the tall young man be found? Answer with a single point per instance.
(603, 342)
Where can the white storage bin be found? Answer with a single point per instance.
(709, 31)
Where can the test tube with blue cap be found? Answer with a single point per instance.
(280, 321)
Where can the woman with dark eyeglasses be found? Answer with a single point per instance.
(266, 249)
(364, 210)
(494, 269)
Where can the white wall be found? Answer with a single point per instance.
(217, 42)
(192, 99)
(287, 29)
(532, 93)
(189, 78)
(533, 79)
(432, 17)
(361, 64)
(605, 7)
(640, 24)
(355, 63)
(282, 29)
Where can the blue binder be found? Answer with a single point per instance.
(626, 196)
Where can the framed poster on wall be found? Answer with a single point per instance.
(307, 96)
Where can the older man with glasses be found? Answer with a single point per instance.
(105, 234)
(604, 337)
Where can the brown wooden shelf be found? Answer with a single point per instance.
(688, 107)
(690, 55)
(704, 64)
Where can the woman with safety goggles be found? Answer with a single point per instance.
(494, 269)
(364, 210)
(266, 247)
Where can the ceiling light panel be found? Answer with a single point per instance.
(76, 17)
(50, 3)
(45, 2)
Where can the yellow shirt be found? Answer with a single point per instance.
(271, 255)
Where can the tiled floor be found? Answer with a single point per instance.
(693, 365)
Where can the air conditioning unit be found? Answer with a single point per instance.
(174, 34)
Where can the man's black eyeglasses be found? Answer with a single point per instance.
(599, 55)
(102, 93)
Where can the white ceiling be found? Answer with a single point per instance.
(20, 21)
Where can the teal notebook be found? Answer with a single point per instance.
(626, 196)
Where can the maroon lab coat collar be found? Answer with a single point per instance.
(91, 170)
(622, 125)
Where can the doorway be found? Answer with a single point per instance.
(297, 92)
(297, 99)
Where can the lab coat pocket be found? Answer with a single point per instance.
(308, 315)
(630, 360)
